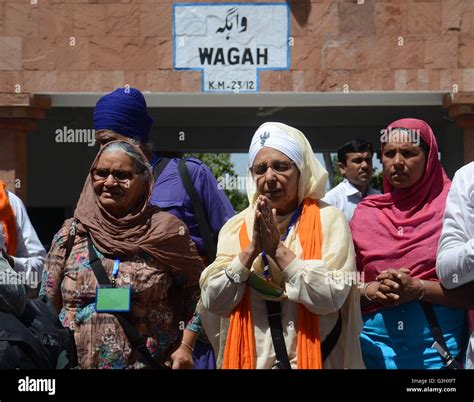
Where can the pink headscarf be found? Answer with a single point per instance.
(401, 229)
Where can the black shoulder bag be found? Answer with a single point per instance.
(36, 339)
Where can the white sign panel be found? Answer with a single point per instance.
(231, 42)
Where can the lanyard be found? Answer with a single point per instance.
(294, 218)
(115, 271)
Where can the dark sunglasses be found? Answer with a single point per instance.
(277, 166)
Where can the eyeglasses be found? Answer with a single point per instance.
(277, 167)
(120, 176)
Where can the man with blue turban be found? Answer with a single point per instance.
(124, 111)
(123, 115)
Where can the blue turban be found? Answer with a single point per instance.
(125, 112)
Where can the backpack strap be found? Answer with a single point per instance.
(276, 330)
(449, 361)
(203, 224)
(159, 167)
(331, 339)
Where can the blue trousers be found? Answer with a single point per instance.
(400, 337)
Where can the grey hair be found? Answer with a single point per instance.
(139, 164)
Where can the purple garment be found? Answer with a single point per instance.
(170, 195)
(203, 356)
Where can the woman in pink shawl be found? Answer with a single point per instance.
(396, 238)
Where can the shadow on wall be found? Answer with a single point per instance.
(300, 10)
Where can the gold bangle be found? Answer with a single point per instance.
(365, 291)
(188, 346)
(423, 291)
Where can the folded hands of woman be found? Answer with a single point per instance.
(266, 237)
(395, 286)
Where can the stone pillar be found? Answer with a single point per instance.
(461, 107)
(19, 114)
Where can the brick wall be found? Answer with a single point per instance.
(379, 45)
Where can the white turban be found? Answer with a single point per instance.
(292, 143)
(270, 135)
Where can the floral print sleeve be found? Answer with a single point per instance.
(162, 296)
(194, 324)
(54, 268)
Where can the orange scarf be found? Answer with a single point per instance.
(7, 217)
(240, 351)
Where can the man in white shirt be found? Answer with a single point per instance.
(355, 164)
(455, 259)
(30, 254)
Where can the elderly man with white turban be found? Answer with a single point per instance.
(284, 278)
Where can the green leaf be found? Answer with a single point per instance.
(220, 165)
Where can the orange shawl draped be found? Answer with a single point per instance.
(7, 217)
(239, 352)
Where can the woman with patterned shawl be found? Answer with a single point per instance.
(290, 248)
(140, 247)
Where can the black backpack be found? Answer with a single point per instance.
(36, 339)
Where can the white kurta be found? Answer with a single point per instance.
(323, 286)
(30, 253)
(455, 260)
(346, 197)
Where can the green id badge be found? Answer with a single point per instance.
(112, 300)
